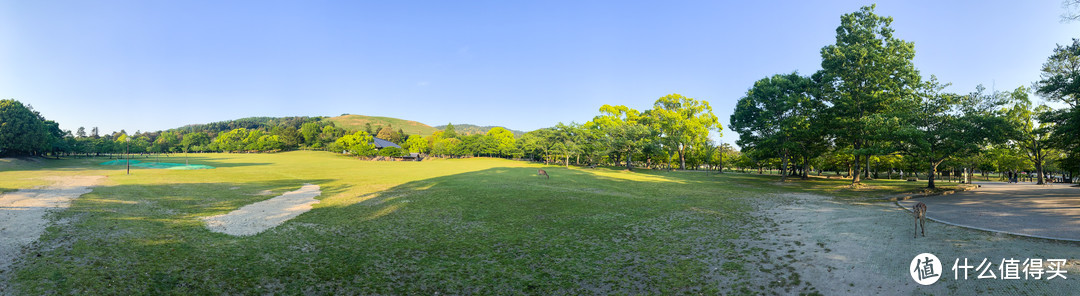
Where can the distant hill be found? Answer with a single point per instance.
(263, 123)
(469, 129)
(357, 122)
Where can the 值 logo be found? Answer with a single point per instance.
(925, 269)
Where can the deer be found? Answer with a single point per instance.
(543, 173)
(919, 210)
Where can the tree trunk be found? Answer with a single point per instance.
(867, 167)
(628, 157)
(930, 176)
(783, 167)
(806, 167)
(1039, 170)
(682, 159)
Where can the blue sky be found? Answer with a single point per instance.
(152, 65)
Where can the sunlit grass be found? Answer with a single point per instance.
(458, 226)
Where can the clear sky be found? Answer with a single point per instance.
(153, 65)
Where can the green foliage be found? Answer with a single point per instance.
(22, 130)
(195, 141)
(391, 152)
(1060, 82)
(863, 75)
(359, 143)
(416, 144)
(447, 147)
(502, 141)
(780, 116)
(449, 132)
(471, 129)
(682, 123)
(935, 126)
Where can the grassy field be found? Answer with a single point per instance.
(450, 226)
(356, 123)
(482, 226)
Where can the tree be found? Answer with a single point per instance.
(232, 140)
(1072, 10)
(359, 143)
(446, 147)
(502, 140)
(416, 145)
(81, 133)
(863, 75)
(936, 126)
(310, 132)
(386, 133)
(165, 142)
(1029, 134)
(94, 133)
(194, 139)
(22, 130)
(624, 131)
(565, 139)
(1060, 82)
(682, 122)
(449, 132)
(777, 116)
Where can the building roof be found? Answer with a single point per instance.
(380, 143)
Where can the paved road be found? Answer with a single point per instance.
(1046, 211)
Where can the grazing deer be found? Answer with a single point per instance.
(543, 173)
(920, 218)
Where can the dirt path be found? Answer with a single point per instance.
(1044, 211)
(257, 217)
(22, 214)
(843, 248)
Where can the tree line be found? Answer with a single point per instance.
(870, 107)
(675, 132)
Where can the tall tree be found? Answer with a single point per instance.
(624, 131)
(386, 133)
(449, 132)
(502, 140)
(1029, 134)
(936, 126)
(1060, 82)
(22, 130)
(863, 74)
(194, 139)
(777, 116)
(682, 122)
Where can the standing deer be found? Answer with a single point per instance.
(543, 173)
(919, 210)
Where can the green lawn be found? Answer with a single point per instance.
(480, 226)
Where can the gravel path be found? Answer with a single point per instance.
(257, 217)
(22, 214)
(1043, 211)
(864, 249)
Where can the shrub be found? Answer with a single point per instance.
(391, 152)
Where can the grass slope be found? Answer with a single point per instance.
(357, 122)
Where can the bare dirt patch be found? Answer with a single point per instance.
(22, 213)
(257, 217)
(845, 248)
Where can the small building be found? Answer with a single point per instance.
(380, 143)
